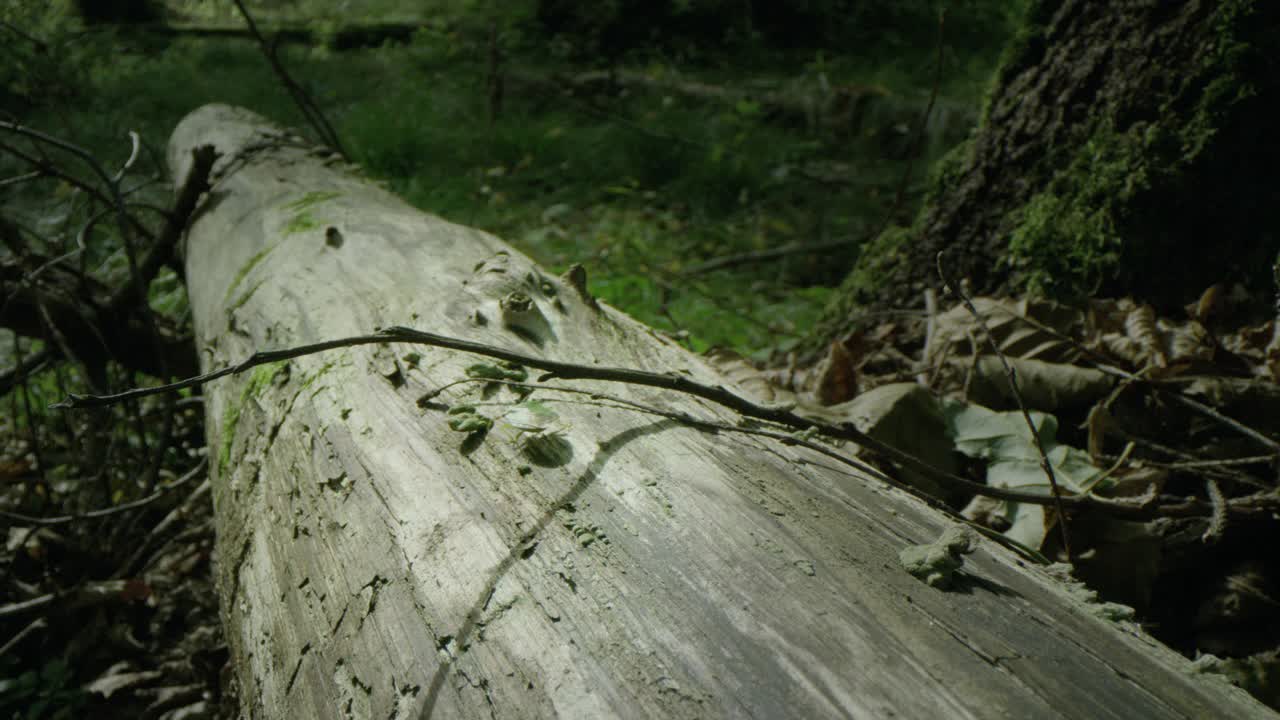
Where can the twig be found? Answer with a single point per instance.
(86, 595)
(930, 330)
(193, 185)
(924, 119)
(1045, 465)
(684, 418)
(258, 358)
(135, 144)
(793, 438)
(19, 179)
(727, 261)
(1229, 422)
(300, 96)
(27, 366)
(56, 338)
(1115, 467)
(44, 167)
(33, 428)
(137, 285)
(107, 512)
(1225, 462)
(671, 282)
(34, 625)
(901, 193)
(1218, 520)
(716, 394)
(149, 547)
(1101, 363)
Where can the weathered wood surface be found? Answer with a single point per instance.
(370, 565)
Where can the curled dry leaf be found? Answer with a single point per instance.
(836, 377)
(1259, 347)
(1133, 334)
(1210, 304)
(1140, 327)
(1007, 319)
(831, 381)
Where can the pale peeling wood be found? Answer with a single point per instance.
(371, 567)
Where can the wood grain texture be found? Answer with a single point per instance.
(372, 566)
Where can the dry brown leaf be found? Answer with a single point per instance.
(1097, 422)
(1210, 304)
(1189, 342)
(1140, 326)
(1134, 335)
(1049, 387)
(1007, 319)
(836, 376)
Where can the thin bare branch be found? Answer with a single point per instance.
(304, 102)
(107, 512)
(1045, 465)
(1178, 507)
(724, 262)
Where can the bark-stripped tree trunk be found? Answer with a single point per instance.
(373, 564)
(1125, 148)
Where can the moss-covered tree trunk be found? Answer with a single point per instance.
(1124, 148)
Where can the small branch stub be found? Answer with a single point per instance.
(576, 278)
(521, 314)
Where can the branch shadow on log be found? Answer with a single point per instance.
(524, 548)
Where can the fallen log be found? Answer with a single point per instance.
(402, 532)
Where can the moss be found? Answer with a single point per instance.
(244, 271)
(302, 222)
(876, 258)
(947, 172)
(244, 296)
(1024, 50)
(308, 380)
(1145, 196)
(310, 199)
(869, 275)
(259, 378)
(1067, 239)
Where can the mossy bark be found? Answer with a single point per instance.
(1123, 148)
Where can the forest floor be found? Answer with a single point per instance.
(724, 219)
(716, 196)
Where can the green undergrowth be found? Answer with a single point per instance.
(638, 186)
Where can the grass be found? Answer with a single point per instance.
(635, 188)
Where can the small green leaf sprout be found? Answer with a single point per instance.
(532, 418)
(464, 418)
(538, 431)
(502, 371)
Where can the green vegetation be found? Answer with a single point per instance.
(638, 185)
(50, 692)
(717, 167)
(244, 271)
(259, 378)
(1115, 189)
